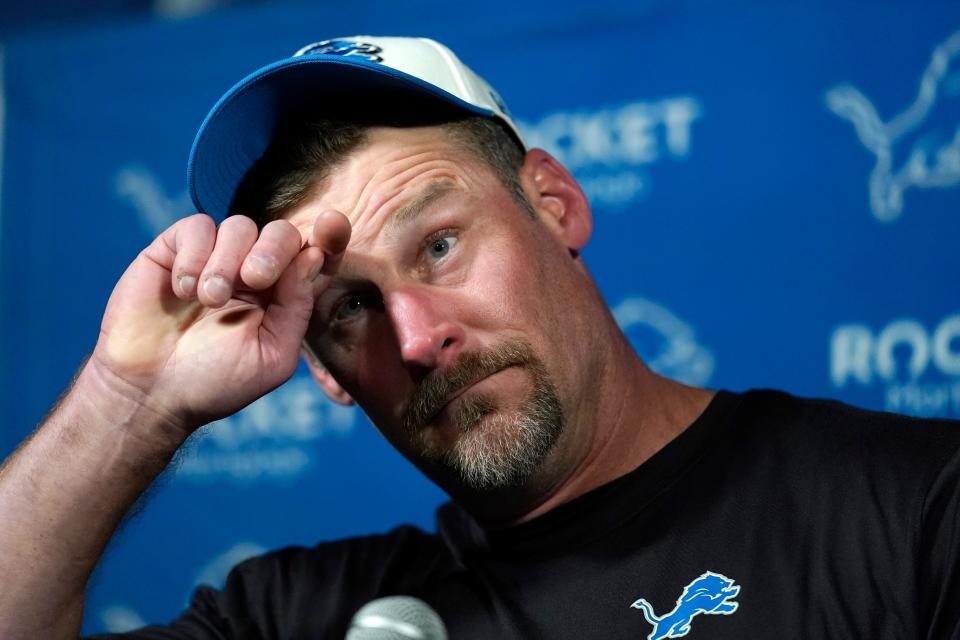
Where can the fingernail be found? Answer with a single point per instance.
(264, 266)
(188, 285)
(217, 288)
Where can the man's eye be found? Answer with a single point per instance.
(439, 247)
(353, 306)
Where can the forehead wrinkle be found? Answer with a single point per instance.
(439, 181)
(366, 201)
(409, 210)
(356, 263)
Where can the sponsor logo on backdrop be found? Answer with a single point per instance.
(269, 440)
(665, 342)
(919, 148)
(914, 365)
(141, 189)
(610, 149)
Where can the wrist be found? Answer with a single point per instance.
(110, 400)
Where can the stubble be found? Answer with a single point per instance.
(495, 448)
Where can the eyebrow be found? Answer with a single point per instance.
(409, 210)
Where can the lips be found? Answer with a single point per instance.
(433, 414)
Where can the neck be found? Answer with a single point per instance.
(631, 416)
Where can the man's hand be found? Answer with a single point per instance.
(208, 319)
(203, 322)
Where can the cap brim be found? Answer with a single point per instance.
(238, 129)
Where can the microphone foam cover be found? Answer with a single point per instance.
(396, 618)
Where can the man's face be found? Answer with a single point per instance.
(445, 321)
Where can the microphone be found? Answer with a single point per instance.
(396, 618)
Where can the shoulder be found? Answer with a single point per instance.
(309, 591)
(342, 560)
(836, 439)
(837, 422)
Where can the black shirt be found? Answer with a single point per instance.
(769, 517)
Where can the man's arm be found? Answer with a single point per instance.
(204, 321)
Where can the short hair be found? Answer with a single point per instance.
(304, 153)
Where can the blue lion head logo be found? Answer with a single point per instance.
(711, 593)
(709, 585)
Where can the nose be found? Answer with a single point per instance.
(427, 335)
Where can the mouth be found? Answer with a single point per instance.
(441, 389)
(453, 397)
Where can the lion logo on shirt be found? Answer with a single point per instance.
(711, 593)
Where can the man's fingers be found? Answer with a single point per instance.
(289, 312)
(331, 233)
(278, 244)
(192, 241)
(235, 236)
(296, 290)
(208, 260)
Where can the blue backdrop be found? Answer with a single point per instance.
(775, 188)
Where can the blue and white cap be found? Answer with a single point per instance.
(398, 79)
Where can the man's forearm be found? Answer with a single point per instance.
(172, 354)
(63, 493)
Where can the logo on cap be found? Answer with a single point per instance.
(343, 48)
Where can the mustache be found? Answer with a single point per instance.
(434, 391)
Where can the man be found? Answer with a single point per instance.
(430, 267)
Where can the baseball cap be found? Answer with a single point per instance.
(382, 80)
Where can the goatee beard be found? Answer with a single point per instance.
(494, 449)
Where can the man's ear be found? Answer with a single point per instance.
(557, 199)
(330, 386)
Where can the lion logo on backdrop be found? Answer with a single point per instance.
(710, 594)
(919, 148)
(155, 207)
